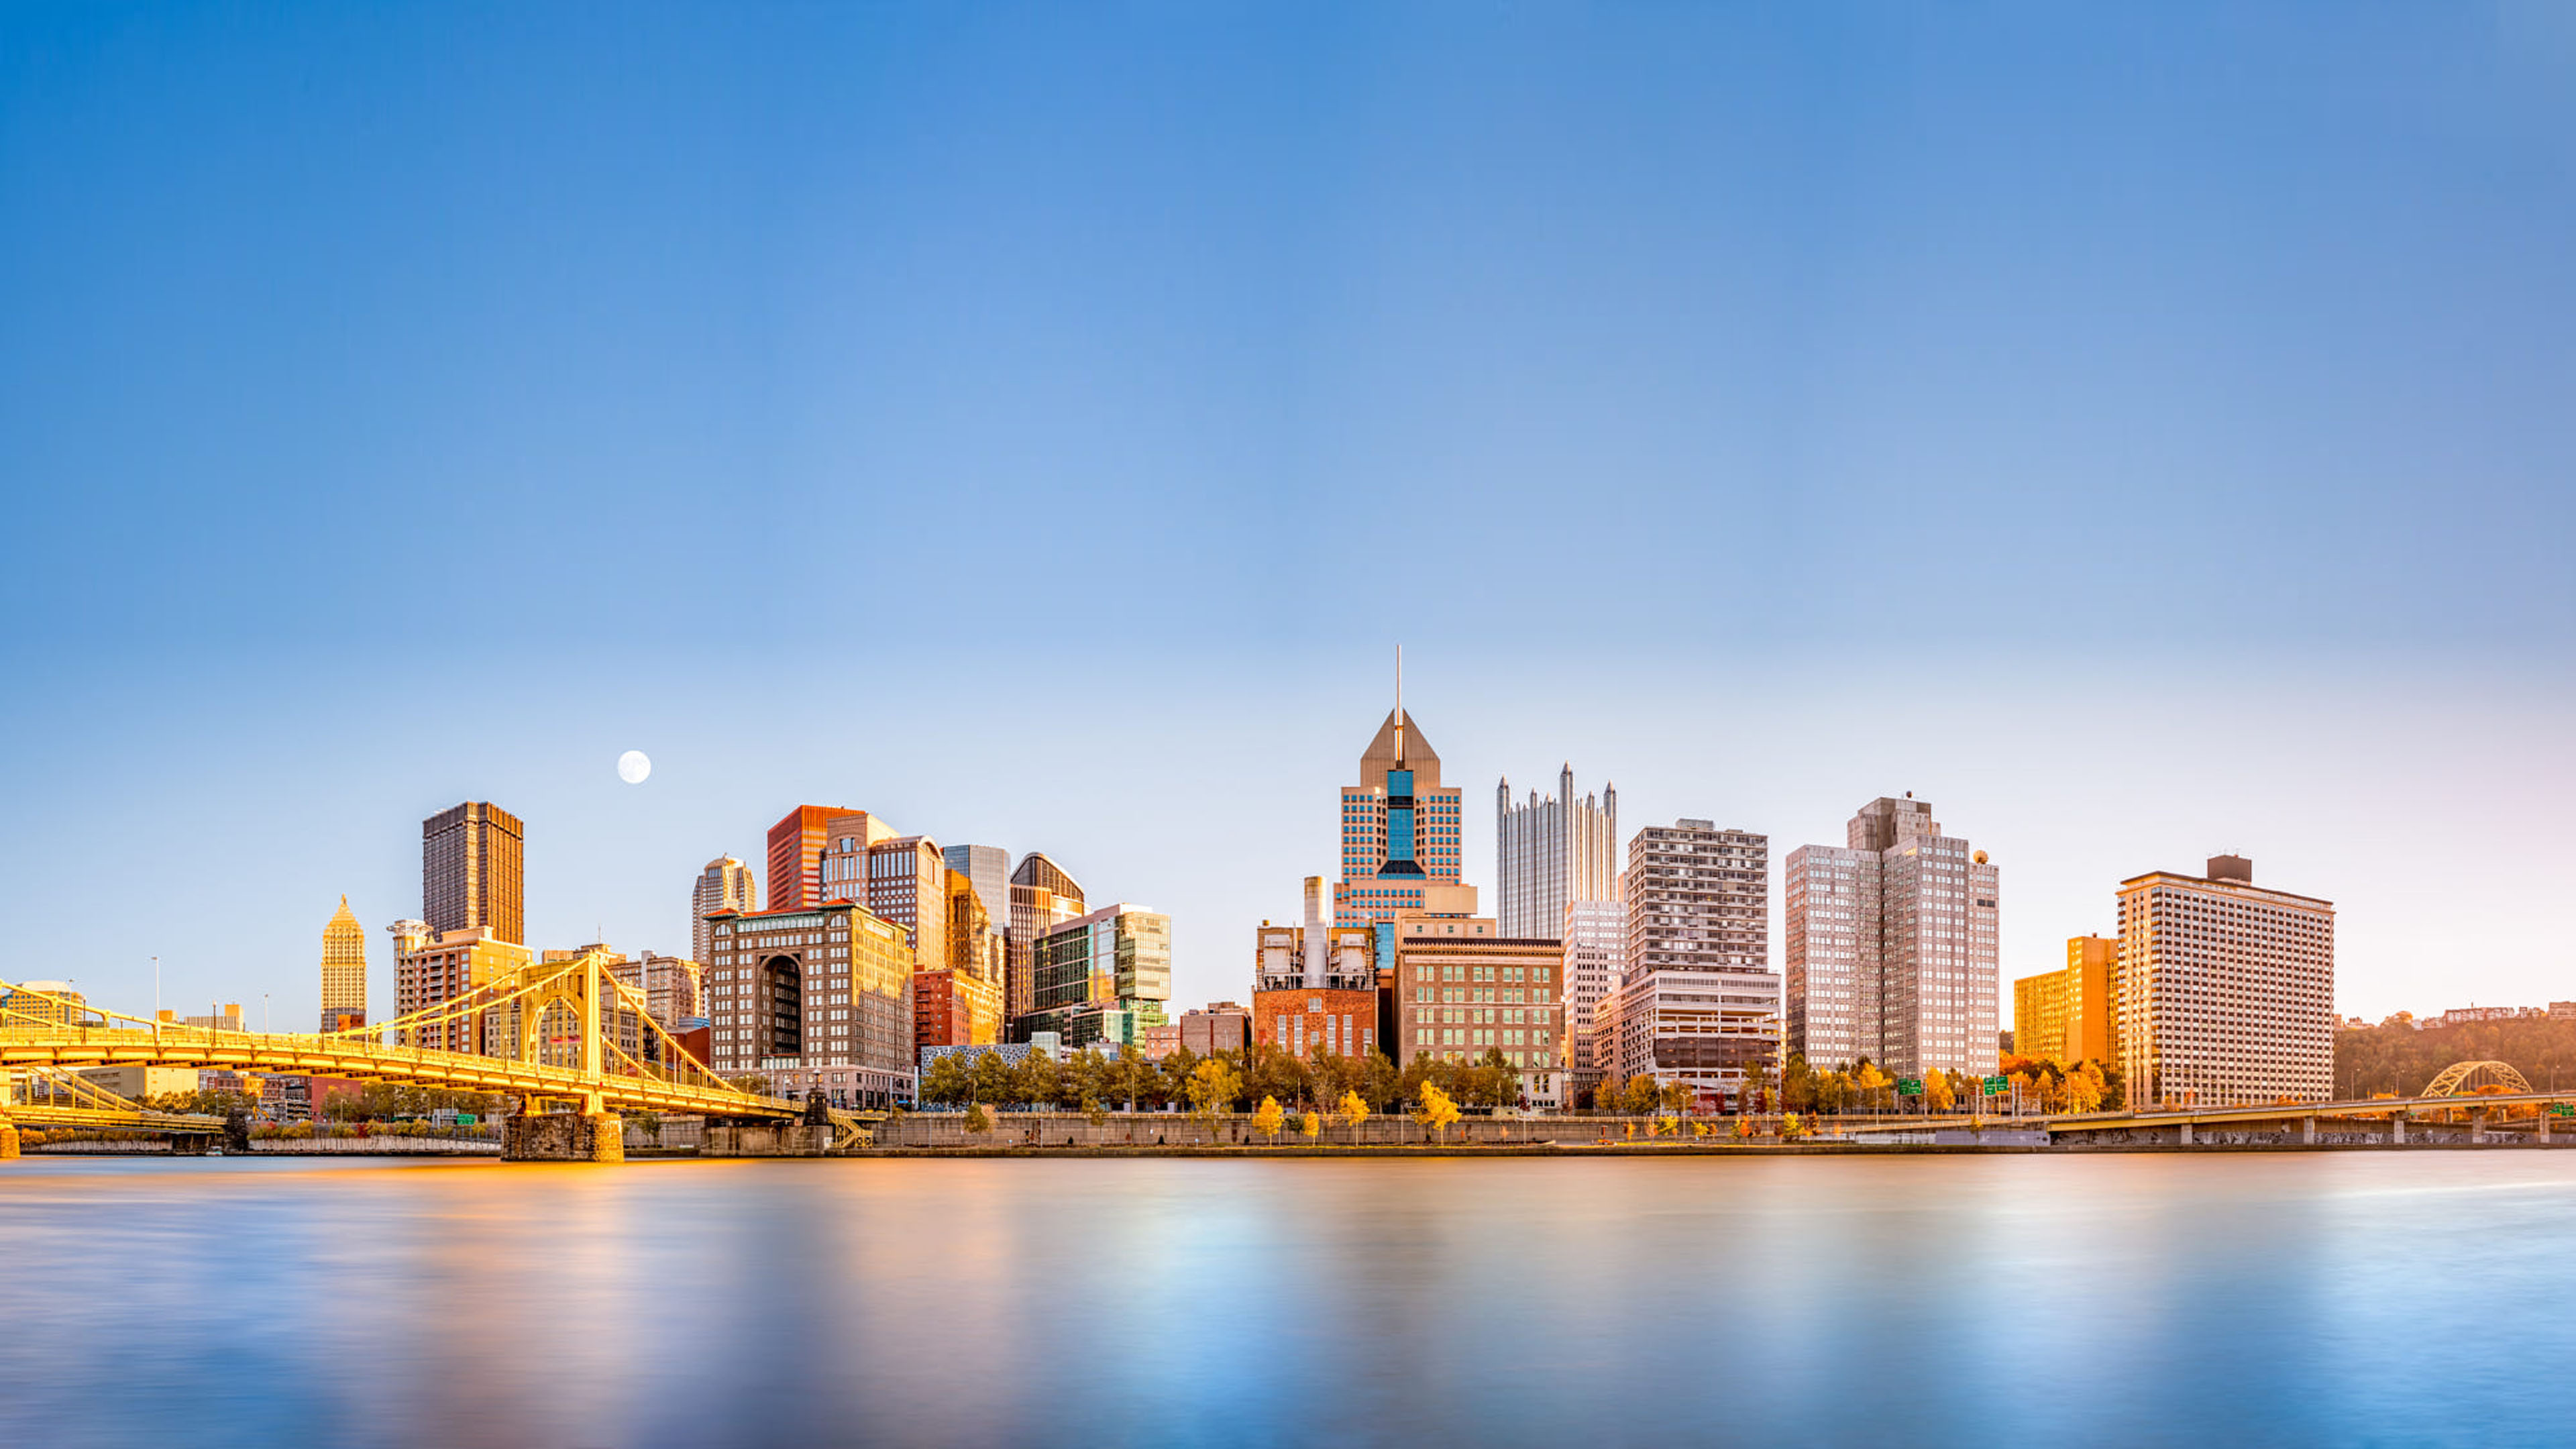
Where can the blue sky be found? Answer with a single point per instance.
(2141, 431)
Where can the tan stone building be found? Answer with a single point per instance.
(1463, 988)
(826, 988)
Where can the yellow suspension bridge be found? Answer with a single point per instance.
(559, 1033)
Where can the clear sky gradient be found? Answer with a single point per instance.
(2141, 431)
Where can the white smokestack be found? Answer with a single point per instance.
(1318, 954)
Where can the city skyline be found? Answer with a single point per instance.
(1768, 339)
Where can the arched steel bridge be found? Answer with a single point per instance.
(563, 1029)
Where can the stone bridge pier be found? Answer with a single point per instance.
(564, 1137)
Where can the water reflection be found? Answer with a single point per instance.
(2149, 1299)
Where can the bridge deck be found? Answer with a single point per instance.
(74, 1047)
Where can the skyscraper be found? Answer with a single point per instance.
(473, 869)
(1551, 850)
(344, 971)
(1043, 897)
(797, 845)
(1890, 945)
(2226, 991)
(1400, 840)
(988, 869)
(1696, 1001)
(725, 885)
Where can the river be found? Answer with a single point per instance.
(2297, 1298)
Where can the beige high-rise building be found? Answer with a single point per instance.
(1596, 951)
(431, 968)
(344, 971)
(1889, 945)
(725, 885)
(1043, 897)
(2226, 989)
(1400, 837)
(674, 989)
(1552, 850)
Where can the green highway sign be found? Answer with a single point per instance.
(1909, 1086)
(1997, 1086)
(2562, 1109)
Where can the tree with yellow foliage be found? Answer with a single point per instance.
(1312, 1124)
(1437, 1112)
(1743, 1128)
(1267, 1119)
(1352, 1108)
(1871, 1080)
(1792, 1128)
(2085, 1088)
(1937, 1093)
(1213, 1085)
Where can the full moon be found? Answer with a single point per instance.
(633, 766)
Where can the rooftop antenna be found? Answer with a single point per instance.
(1399, 706)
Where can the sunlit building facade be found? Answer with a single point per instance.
(1595, 937)
(826, 988)
(725, 885)
(1400, 838)
(1551, 850)
(1102, 978)
(1889, 945)
(1462, 988)
(473, 871)
(1043, 897)
(2226, 989)
(344, 971)
(433, 968)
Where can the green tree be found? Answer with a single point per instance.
(1176, 1071)
(1380, 1085)
(1034, 1079)
(976, 1121)
(1639, 1095)
(991, 1079)
(1676, 1098)
(948, 1080)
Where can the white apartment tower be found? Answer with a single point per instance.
(725, 885)
(1551, 850)
(1596, 947)
(1889, 945)
(2226, 991)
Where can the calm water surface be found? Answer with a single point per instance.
(2295, 1299)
